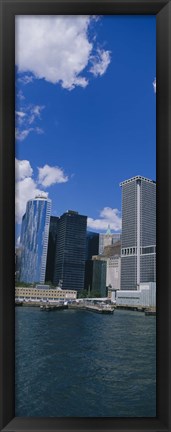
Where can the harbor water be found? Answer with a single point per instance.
(76, 363)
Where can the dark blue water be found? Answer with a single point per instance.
(83, 364)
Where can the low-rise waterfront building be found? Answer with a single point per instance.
(43, 294)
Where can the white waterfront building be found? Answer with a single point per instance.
(145, 296)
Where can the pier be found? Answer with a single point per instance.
(103, 309)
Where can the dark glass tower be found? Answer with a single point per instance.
(92, 244)
(95, 277)
(71, 251)
(138, 254)
(52, 243)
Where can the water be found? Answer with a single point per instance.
(83, 364)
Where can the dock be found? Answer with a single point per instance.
(103, 309)
(100, 309)
(50, 307)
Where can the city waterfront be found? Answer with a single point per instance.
(73, 363)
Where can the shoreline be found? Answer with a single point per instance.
(92, 308)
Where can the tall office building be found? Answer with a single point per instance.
(34, 240)
(95, 276)
(138, 246)
(107, 239)
(71, 251)
(52, 244)
(92, 244)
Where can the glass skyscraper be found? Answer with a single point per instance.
(92, 244)
(138, 253)
(34, 240)
(70, 251)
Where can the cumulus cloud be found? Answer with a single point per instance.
(26, 187)
(51, 175)
(25, 190)
(58, 49)
(154, 85)
(22, 169)
(108, 216)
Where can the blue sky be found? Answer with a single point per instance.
(85, 111)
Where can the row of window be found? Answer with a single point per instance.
(40, 292)
(143, 250)
(129, 251)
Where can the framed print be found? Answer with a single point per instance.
(81, 83)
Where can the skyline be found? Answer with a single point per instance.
(85, 112)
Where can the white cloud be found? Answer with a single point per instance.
(100, 62)
(22, 134)
(22, 169)
(26, 121)
(58, 49)
(27, 188)
(108, 216)
(51, 175)
(154, 85)
(26, 79)
(33, 112)
(20, 114)
(20, 95)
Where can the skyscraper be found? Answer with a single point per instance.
(71, 251)
(138, 253)
(34, 240)
(107, 239)
(52, 244)
(95, 276)
(92, 244)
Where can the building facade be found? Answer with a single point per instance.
(43, 294)
(52, 244)
(108, 239)
(92, 244)
(34, 240)
(144, 297)
(95, 276)
(70, 251)
(138, 246)
(113, 272)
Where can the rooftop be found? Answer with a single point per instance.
(138, 177)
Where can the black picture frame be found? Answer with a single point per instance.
(162, 10)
